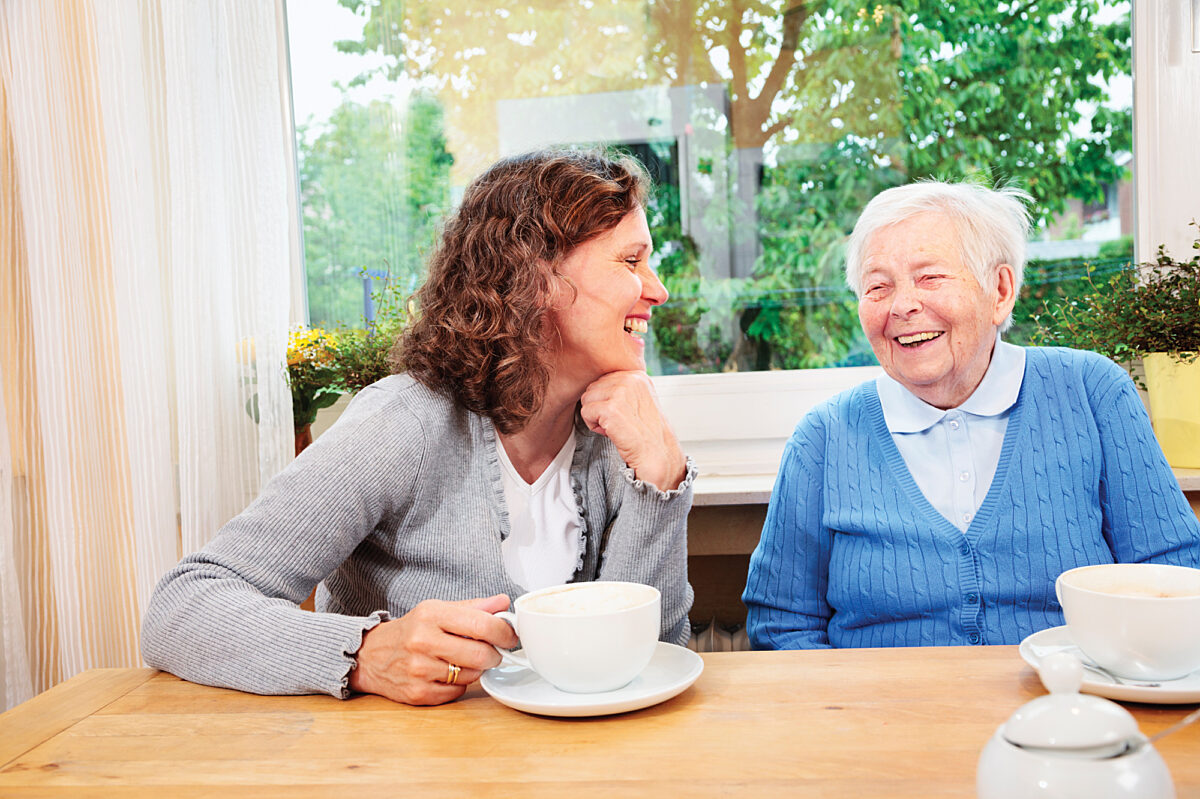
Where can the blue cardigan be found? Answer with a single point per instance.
(853, 555)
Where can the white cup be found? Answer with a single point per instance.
(1138, 620)
(586, 637)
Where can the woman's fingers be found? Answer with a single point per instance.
(464, 633)
(432, 692)
(409, 659)
(466, 653)
(620, 405)
(623, 407)
(478, 622)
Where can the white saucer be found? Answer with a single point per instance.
(671, 671)
(1185, 690)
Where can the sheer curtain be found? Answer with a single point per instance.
(144, 304)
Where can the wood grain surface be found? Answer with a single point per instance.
(842, 723)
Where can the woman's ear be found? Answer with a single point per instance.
(1005, 282)
(562, 290)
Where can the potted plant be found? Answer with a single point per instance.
(1149, 313)
(324, 365)
(366, 354)
(313, 376)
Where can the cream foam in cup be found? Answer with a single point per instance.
(586, 637)
(1138, 620)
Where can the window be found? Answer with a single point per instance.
(767, 126)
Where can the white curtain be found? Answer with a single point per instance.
(145, 239)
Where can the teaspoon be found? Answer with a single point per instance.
(1190, 718)
(1091, 665)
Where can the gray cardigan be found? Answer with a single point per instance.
(401, 500)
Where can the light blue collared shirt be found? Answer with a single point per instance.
(952, 455)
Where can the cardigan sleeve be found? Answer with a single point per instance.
(786, 588)
(228, 615)
(646, 542)
(1145, 515)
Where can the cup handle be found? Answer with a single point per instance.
(1058, 590)
(507, 656)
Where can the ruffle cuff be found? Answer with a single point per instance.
(649, 489)
(352, 644)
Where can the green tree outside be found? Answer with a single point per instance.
(374, 184)
(835, 100)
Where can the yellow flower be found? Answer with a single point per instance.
(310, 346)
(313, 373)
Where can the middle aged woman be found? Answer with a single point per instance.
(523, 447)
(937, 504)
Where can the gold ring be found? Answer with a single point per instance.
(452, 674)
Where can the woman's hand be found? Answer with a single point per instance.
(408, 659)
(623, 407)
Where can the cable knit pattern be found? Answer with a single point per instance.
(400, 501)
(853, 555)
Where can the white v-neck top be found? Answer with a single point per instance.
(542, 547)
(952, 455)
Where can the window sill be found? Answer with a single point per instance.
(1189, 479)
(741, 489)
(755, 489)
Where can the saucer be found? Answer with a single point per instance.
(1185, 690)
(671, 671)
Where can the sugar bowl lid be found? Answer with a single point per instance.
(1067, 722)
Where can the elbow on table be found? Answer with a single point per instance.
(773, 632)
(164, 625)
(156, 643)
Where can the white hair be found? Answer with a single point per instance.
(992, 226)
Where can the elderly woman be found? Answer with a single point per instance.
(522, 447)
(937, 504)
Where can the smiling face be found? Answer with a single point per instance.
(601, 324)
(931, 324)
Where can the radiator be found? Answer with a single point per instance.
(717, 636)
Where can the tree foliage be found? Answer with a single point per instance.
(470, 53)
(374, 183)
(840, 100)
(1006, 90)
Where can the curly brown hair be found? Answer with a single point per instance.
(480, 332)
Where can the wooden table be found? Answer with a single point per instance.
(850, 723)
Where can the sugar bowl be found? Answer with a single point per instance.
(1069, 745)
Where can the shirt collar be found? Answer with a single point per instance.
(904, 412)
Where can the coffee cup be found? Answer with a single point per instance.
(586, 637)
(1138, 620)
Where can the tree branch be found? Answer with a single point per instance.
(1018, 11)
(675, 23)
(737, 56)
(777, 126)
(793, 19)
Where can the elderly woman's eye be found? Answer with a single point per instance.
(632, 263)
